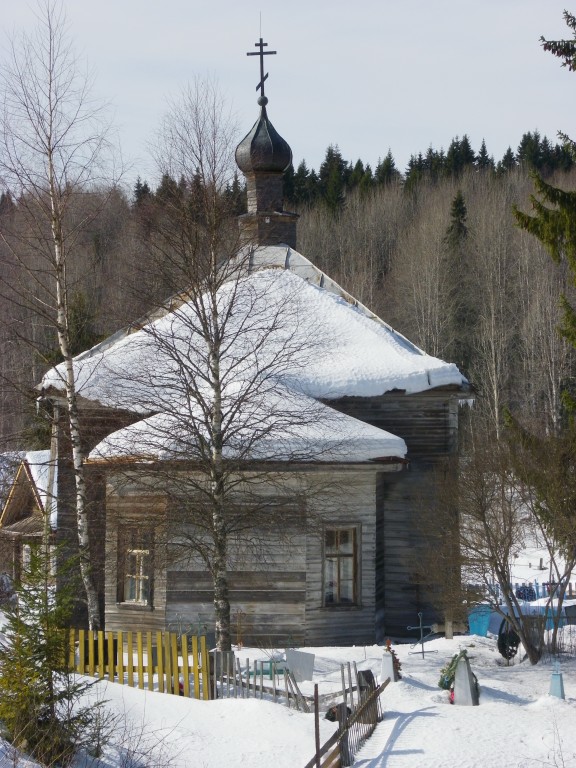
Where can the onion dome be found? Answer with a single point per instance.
(263, 149)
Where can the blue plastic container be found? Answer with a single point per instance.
(479, 620)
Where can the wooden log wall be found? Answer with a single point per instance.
(353, 505)
(428, 422)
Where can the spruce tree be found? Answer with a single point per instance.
(507, 163)
(334, 177)
(386, 171)
(553, 220)
(357, 174)
(483, 160)
(39, 692)
(142, 191)
(367, 180)
(529, 151)
(554, 223)
(460, 155)
(459, 309)
(564, 49)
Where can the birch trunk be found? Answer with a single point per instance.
(62, 326)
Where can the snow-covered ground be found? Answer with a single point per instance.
(517, 724)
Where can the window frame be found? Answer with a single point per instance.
(135, 540)
(341, 603)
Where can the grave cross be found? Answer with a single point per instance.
(421, 627)
(261, 44)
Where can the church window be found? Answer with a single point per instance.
(341, 566)
(135, 576)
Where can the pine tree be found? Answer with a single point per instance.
(386, 171)
(39, 693)
(507, 163)
(483, 160)
(459, 307)
(334, 177)
(564, 49)
(142, 191)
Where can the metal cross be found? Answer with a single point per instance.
(261, 44)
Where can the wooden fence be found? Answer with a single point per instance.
(354, 729)
(272, 679)
(162, 661)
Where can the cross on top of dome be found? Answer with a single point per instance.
(263, 77)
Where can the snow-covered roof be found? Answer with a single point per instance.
(289, 328)
(34, 481)
(291, 426)
(356, 353)
(43, 474)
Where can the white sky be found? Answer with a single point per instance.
(367, 75)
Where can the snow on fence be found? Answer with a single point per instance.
(162, 661)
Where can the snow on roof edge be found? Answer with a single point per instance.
(262, 257)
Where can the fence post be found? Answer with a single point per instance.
(317, 725)
(120, 659)
(345, 755)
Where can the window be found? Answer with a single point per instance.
(340, 566)
(135, 571)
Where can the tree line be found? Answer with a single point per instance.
(337, 177)
(442, 260)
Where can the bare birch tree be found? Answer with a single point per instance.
(210, 367)
(494, 526)
(54, 146)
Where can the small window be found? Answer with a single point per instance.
(340, 566)
(135, 566)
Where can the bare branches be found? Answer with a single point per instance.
(53, 146)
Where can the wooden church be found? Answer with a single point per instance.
(335, 450)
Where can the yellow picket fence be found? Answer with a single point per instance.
(161, 661)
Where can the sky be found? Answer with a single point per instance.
(368, 76)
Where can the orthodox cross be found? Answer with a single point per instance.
(261, 53)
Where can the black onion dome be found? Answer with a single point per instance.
(263, 149)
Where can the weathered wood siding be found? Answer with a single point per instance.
(353, 503)
(428, 422)
(277, 596)
(275, 589)
(267, 602)
(131, 503)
